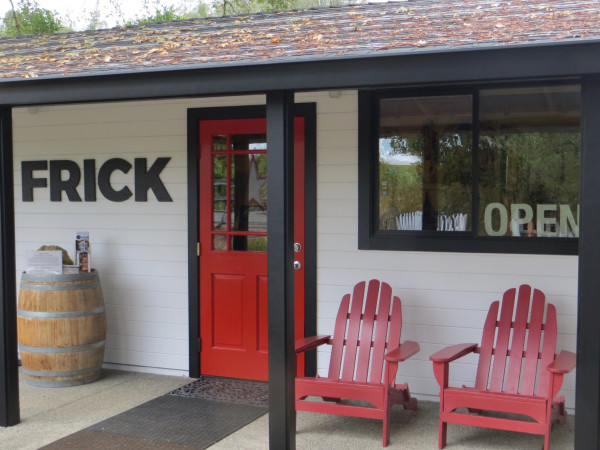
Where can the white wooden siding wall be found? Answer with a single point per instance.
(139, 249)
(445, 296)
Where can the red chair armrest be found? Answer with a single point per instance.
(564, 362)
(452, 352)
(309, 343)
(403, 352)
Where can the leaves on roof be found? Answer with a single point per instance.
(357, 30)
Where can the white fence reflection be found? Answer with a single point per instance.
(446, 222)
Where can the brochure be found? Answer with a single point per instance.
(82, 251)
(49, 261)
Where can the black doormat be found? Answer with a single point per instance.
(227, 390)
(170, 422)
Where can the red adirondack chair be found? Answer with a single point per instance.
(365, 353)
(509, 384)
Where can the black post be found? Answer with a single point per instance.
(280, 234)
(587, 400)
(9, 374)
(193, 154)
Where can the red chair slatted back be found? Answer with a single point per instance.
(516, 341)
(361, 336)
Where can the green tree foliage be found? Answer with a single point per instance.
(29, 18)
(404, 183)
(162, 14)
(537, 167)
(200, 10)
(401, 191)
(229, 7)
(95, 18)
(531, 167)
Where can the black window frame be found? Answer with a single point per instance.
(369, 235)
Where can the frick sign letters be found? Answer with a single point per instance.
(144, 179)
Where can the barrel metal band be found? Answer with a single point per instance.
(58, 278)
(59, 314)
(73, 349)
(63, 383)
(66, 373)
(60, 287)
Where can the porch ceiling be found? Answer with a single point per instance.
(381, 29)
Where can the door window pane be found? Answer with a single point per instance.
(219, 242)
(219, 143)
(529, 162)
(249, 192)
(249, 142)
(240, 192)
(249, 243)
(219, 192)
(425, 163)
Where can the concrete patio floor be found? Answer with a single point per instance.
(48, 414)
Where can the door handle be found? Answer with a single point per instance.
(297, 265)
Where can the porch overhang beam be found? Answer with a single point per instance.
(9, 375)
(280, 266)
(442, 66)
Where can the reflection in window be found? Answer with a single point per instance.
(425, 159)
(219, 143)
(219, 192)
(240, 192)
(526, 182)
(249, 243)
(249, 188)
(529, 153)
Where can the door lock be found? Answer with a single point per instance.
(297, 247)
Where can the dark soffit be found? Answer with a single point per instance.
(442, 66)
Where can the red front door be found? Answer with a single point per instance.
(233, 241)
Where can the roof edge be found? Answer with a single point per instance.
(307, 59)
(456, 66)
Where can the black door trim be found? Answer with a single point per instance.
(194, 116)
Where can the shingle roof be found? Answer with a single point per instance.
(320, 33)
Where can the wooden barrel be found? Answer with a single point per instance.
(61, 327)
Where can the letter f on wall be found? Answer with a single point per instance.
(27, 168)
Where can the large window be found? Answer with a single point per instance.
(484, 169)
